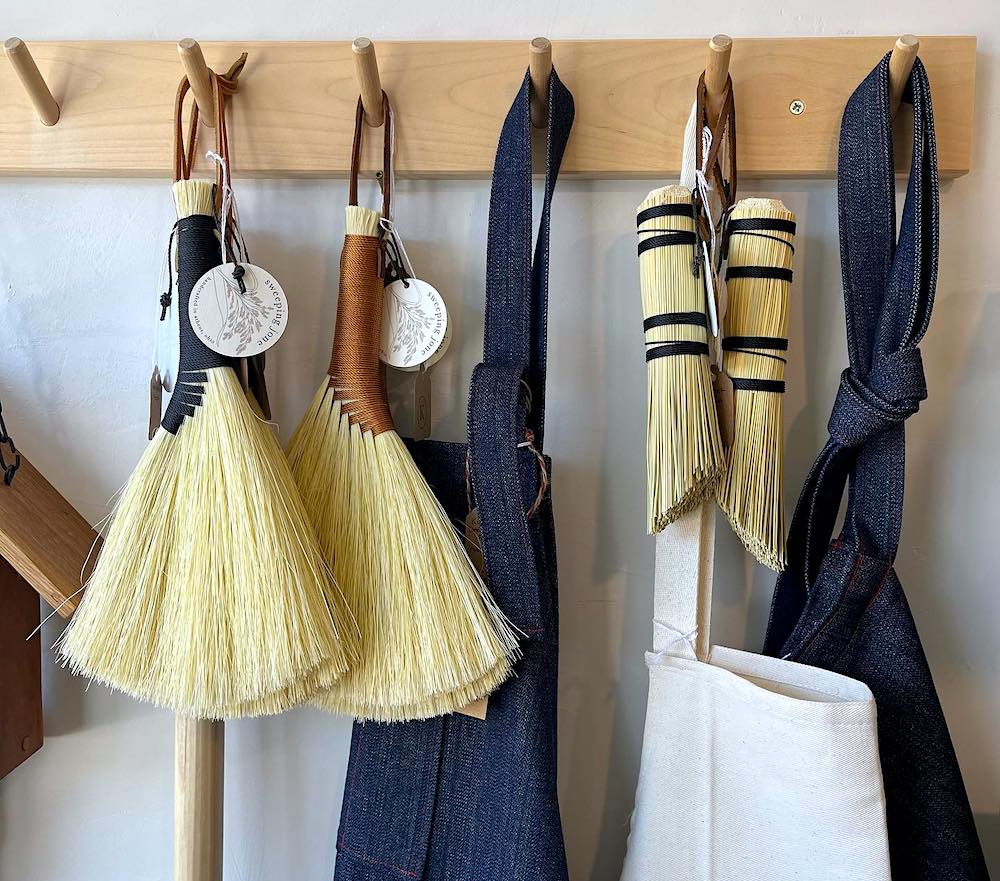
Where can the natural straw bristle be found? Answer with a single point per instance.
(211, 596)
(750, 493)
(684, 453)
(193, 197)
(432, 638)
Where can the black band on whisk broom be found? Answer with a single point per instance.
(432, 638)
(759, 240)
(210, 595)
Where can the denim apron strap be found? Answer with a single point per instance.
(888, 295)
(507, 393)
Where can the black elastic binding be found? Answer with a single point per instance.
(759, 272)
(665, 319)
(677, 209)
(758, 385)
(680, 347)
(679, 237)
(758, 224)
(739, 343)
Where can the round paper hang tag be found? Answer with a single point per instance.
(234, 319)
(414, 325)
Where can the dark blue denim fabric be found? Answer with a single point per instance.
(840, 605)
(457, 798)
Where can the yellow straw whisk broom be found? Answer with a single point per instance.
(432, 639)
(684, 455)
(758, 279)
(210, 595)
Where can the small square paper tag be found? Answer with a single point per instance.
(155, 401)
(474, 542)
(477, 709)
(422, 404)
(474, 548)
(725, 405)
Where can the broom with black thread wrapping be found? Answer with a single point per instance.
(432, 638)
(758, 279)
(684, 455)
(210, 595)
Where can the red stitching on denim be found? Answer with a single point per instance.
(871, 602)
(357, 854)
(833, 612)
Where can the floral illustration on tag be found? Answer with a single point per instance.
(245, 311)
(238, 310)
(414, 323)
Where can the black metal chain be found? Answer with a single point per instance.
(8, 441)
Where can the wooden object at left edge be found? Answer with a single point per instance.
(44, 544)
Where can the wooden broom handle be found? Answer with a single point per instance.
(199, 759)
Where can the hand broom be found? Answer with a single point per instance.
(684, 455)
(432, 639)
(760, 235)
(210, 595)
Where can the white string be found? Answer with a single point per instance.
(227, 198)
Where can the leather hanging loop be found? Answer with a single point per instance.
(724, 181)
(359, 124)
(226, 85)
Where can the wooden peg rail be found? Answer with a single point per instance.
(294, 114)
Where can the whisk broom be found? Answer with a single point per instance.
(210, 595)
(684, 455)
(432, 639)
(758, 279)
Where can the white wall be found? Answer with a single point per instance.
(78, 266)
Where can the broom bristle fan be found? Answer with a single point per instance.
(761, 233)
(432, 638)
(684, 455)
(210, 595)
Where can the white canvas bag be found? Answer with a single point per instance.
(753, 768)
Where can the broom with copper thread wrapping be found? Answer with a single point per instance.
(432, 638)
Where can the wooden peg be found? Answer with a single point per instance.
(369, 81)
(720, 47)
(904, 53)
(540, 66)
(200, 77)
(27, 71)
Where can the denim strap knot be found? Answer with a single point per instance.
(889, 394)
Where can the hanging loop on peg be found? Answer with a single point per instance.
(27, 71)
(369, 81)
(200, 77)
(904, 53)
(540, 67)
(720, 47)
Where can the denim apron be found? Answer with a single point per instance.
(841, 605)
(458, 798)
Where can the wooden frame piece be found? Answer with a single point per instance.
(294, 113)
(20, 670)
(44, 538)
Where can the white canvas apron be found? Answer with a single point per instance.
(753, 768)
